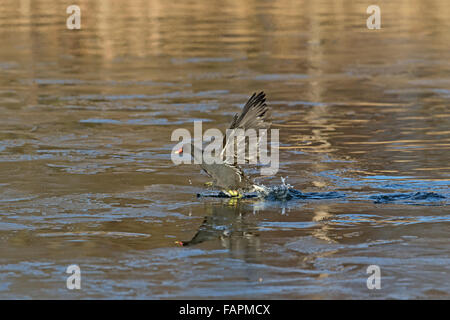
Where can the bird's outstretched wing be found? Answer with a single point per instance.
(254, 115)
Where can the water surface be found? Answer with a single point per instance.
(85, 170)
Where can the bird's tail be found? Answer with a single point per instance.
(261, 189)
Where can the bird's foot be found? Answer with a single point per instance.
(232, 202)
(233, 193)
(209, 184)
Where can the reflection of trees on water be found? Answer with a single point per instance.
(228, 222)
(321, 214)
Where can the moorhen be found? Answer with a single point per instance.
(228, 176)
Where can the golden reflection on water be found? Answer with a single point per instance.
(87, 115)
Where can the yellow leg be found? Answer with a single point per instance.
(209, 184)
(234, 194)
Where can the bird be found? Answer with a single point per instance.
(228, 175)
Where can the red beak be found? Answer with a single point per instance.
(180, 151)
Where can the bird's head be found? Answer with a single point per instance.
(185, 148)
(179, 151)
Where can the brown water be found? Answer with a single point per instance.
(85, 170)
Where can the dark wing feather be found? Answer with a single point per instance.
(254, 114)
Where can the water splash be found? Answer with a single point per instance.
(277, 192)
(286, 192)
(281, 192)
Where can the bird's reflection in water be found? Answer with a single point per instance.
(228, 222)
